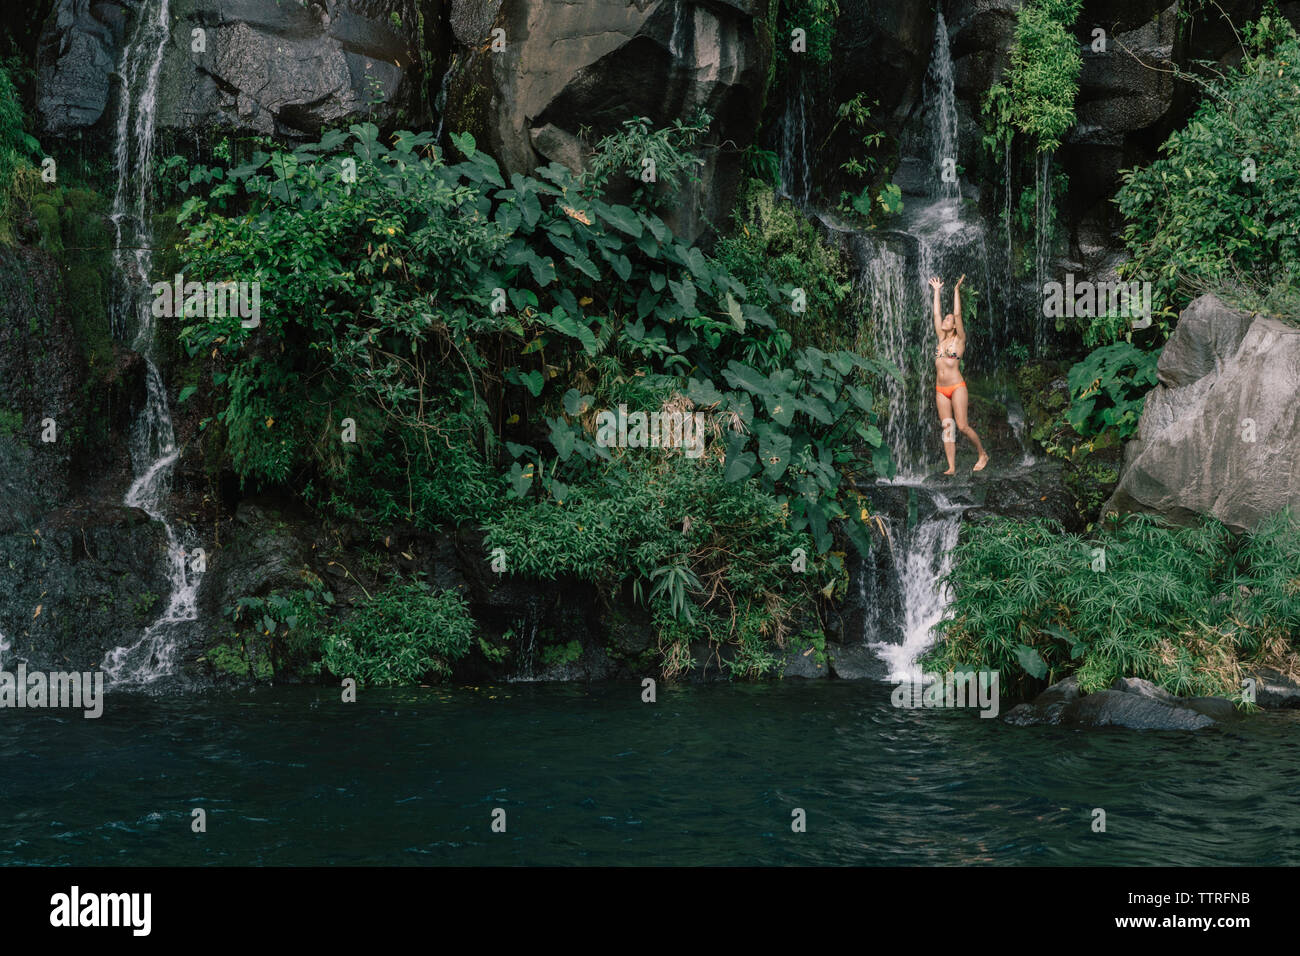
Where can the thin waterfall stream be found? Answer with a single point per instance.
(154, 451)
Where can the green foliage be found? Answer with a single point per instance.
(854, 115)
(638, 148)
(771, 247)
(1029, 599)
(1267, 595)
(496, 653)
(142, 606)
(473, 329)
(384, 299)
(559, 655)
(15, 148)
(240, 661)
(1036, 96)
(817, 19)
(763, 165)
(402, 635)
(1221, 208)
(1108, 389)
(704, 554)
(274, 633)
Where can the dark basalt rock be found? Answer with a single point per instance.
(286, 69)
(854, 662)
(78, 52)
(804, 663)
(1130, 702)
(86, 583)
(1275, 689)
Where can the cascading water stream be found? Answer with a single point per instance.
(440, 101)
(796, 168)
(939, 93)
(1044, 221)
(894, 264)
(153, 440)
(922, 556)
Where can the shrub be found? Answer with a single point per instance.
(402, 635)
(1036, 96)
(1138, 599)
(1221, 208)
(1108, 389)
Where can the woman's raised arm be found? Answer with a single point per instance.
(956, 307)
(936, 284)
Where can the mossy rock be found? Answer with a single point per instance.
(46, 215)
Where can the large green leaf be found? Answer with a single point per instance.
(1029, 659)
(774, 453)
(621, 218)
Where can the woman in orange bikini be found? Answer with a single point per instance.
(950, 390)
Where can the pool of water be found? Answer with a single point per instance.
(591, 775)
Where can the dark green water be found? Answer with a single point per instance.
(590, 775)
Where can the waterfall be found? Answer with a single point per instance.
(885, 287)
(921, 556)
(675, 44)
(942, 118)
(440, 101)
(1042, 244)
(796, 169)
(153, 440)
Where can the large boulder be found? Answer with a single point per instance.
(855, 662)
(1220, 434)
(285, 69)
(290, 68)
(564, 66)
(77, 56)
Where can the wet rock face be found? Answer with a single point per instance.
(886, 47)
(1220, 434)
(77, 55)
(284, 68)
(290, 68)
(84, 584)
(564, 66)
(40, 376)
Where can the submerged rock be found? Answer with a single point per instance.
(1274, 689)
(1130, 702)
(854, 662)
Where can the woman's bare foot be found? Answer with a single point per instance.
(952, 470)
(979, 465)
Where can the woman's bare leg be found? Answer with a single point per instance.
(959, 402)
(949, 431)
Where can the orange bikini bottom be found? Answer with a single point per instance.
(947, 390)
